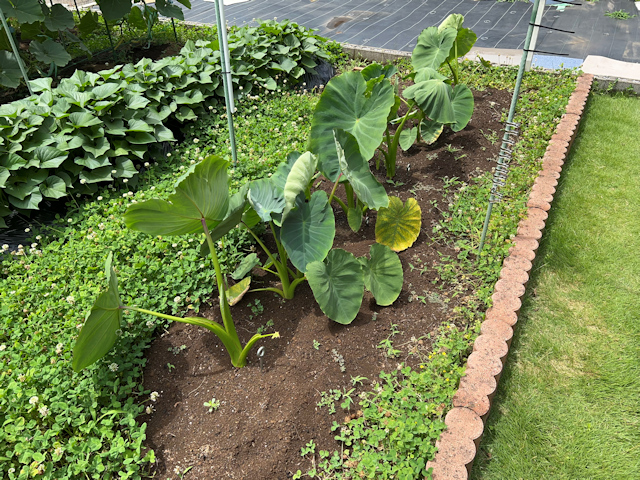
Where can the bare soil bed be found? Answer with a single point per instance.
(267, 414)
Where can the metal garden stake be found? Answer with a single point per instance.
(15, 50)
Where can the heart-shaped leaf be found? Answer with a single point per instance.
(50, 157)
(308, 231)
(100, 330)
(434, 99)
(433, 47)
(356, 169)
(408, 137)
(383, 274)
(88, 23)
(462, 103)
(398, 225)
(354, 218)
(49, 52)
(465, 38)
(202, 194)
(337, 285)
(266, 199)
(344, 104)
(53, 187)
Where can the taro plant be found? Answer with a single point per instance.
(200, 203)
(346, 128)
(303, 228)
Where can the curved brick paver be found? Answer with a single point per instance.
(458, 444)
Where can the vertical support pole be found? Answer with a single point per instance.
(534, 35)
(77, 9)
(113, 50)
(223, 20)
(175, 34)
(512, 111)
(226, 78)
(16, 52)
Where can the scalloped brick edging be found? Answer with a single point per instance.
(458, 445)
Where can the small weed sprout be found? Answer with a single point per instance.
(265, 327)
(316, 345)
(177, 350)
(213, 405)
(170, 367)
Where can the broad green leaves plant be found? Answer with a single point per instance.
(201, 196)
(110, 123)
(434, 100)
(351, 104)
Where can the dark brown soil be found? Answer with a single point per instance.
(267, 414)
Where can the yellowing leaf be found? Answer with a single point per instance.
(398, 225)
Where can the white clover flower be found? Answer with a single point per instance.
(113, 367)
(101, 226)
(3, 347)
(43, 410)
(154, 396)
(59, 348)
(148, 410)
(70, 220)
(27, 230)
(177, 299)
(181, 167)
(168, 154)
(22, 377)
(130, 194)
(34, 245)
(210, 107)
(5, 247)
(192, 162)
(58, 451)
(34, 400)
(20, 247)
(174, 245)
(70, 299)
(82, 181)
(146, 164)
(150, 324)
(114, 171)
(195, 140)
(200, 158)
(152, 188)
(125, 180)
(100, 198)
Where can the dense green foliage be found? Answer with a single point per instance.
(85, 132)
(46, 288)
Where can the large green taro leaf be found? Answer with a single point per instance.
(168, 10)
(267, 199)
(434, 99)
(375, 70)
(279, 178)
(433, 47)
(462, 103)
(383, 274)
(398, 225)
(237, 207)
(202, 193)
(100, 330)
(298, 180)
(346, 104)
(338, 285)
(308, 231)
(356, 170)
(49, 52)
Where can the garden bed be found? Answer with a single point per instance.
(266, 415)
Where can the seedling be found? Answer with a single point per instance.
(213, 405)
(316, 345)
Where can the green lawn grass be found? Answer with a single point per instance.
(568, 405)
